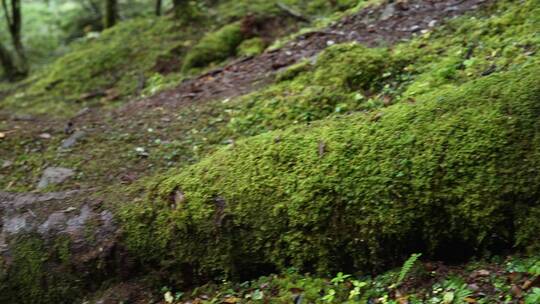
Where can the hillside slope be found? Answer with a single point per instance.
(400, 128)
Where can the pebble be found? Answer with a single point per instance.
(54, 176)
(72, 140)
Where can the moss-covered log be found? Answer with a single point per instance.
(451, 174)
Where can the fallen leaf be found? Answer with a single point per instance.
(469, 300)
(231, 300)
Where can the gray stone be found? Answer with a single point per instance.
(54, 176)
(72, 140)
(388, 12)
(55, 222)
(14, 224)
(6, 164)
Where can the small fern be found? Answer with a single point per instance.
(407, 266)
(461, 293)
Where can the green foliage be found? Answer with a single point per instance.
(251, 47)
(407, 266)
(234, 9)
(28, 278)
(455, 291)
(351, 192)
(339, 82)
(533, 297)
(116, 59)
(214, 47)
(448, 287)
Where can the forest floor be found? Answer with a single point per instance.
(376, 25)
(113, 147)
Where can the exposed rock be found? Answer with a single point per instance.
(87, 235)
(388, 12)
(6, 164)
(72, 140)
(54, 175)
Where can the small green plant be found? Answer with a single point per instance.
(455, 291)
(535, 269)
(330, 296)
(533, 297)
(340, 278)
(407, 266)
(355, 292)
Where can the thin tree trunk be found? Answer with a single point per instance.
(158, 7)
(16, 29)
(10, 69)
(179, 7)
(14, 22)
(111, 13)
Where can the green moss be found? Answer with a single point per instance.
(30, 278)
(343, 79)
(62, 247)
(317, 8)
(111, 64)
(294, 70)
(214, 47)
(348, 78)
(358, 192)
(251, 47)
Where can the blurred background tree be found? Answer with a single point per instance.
(34, 32)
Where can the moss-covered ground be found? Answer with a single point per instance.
(347, 162)
(124, 62)
(498, 280)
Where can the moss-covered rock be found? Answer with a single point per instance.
(449, 175)
(30, 277)
(214, 47)
(251, 47)
(50, 255)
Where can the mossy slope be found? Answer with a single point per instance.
(453, 174)
(214, 47)
(100, 69)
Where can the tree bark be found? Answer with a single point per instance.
(10, 69)
(179, 8)
(110, 14)
(158, 7)
(14, 23)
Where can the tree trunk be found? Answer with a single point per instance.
(14, 22)
(179, 8)
(10, 69)
(158, 7)
(111, 13)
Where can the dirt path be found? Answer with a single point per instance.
(375, 25)
(384, 24)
